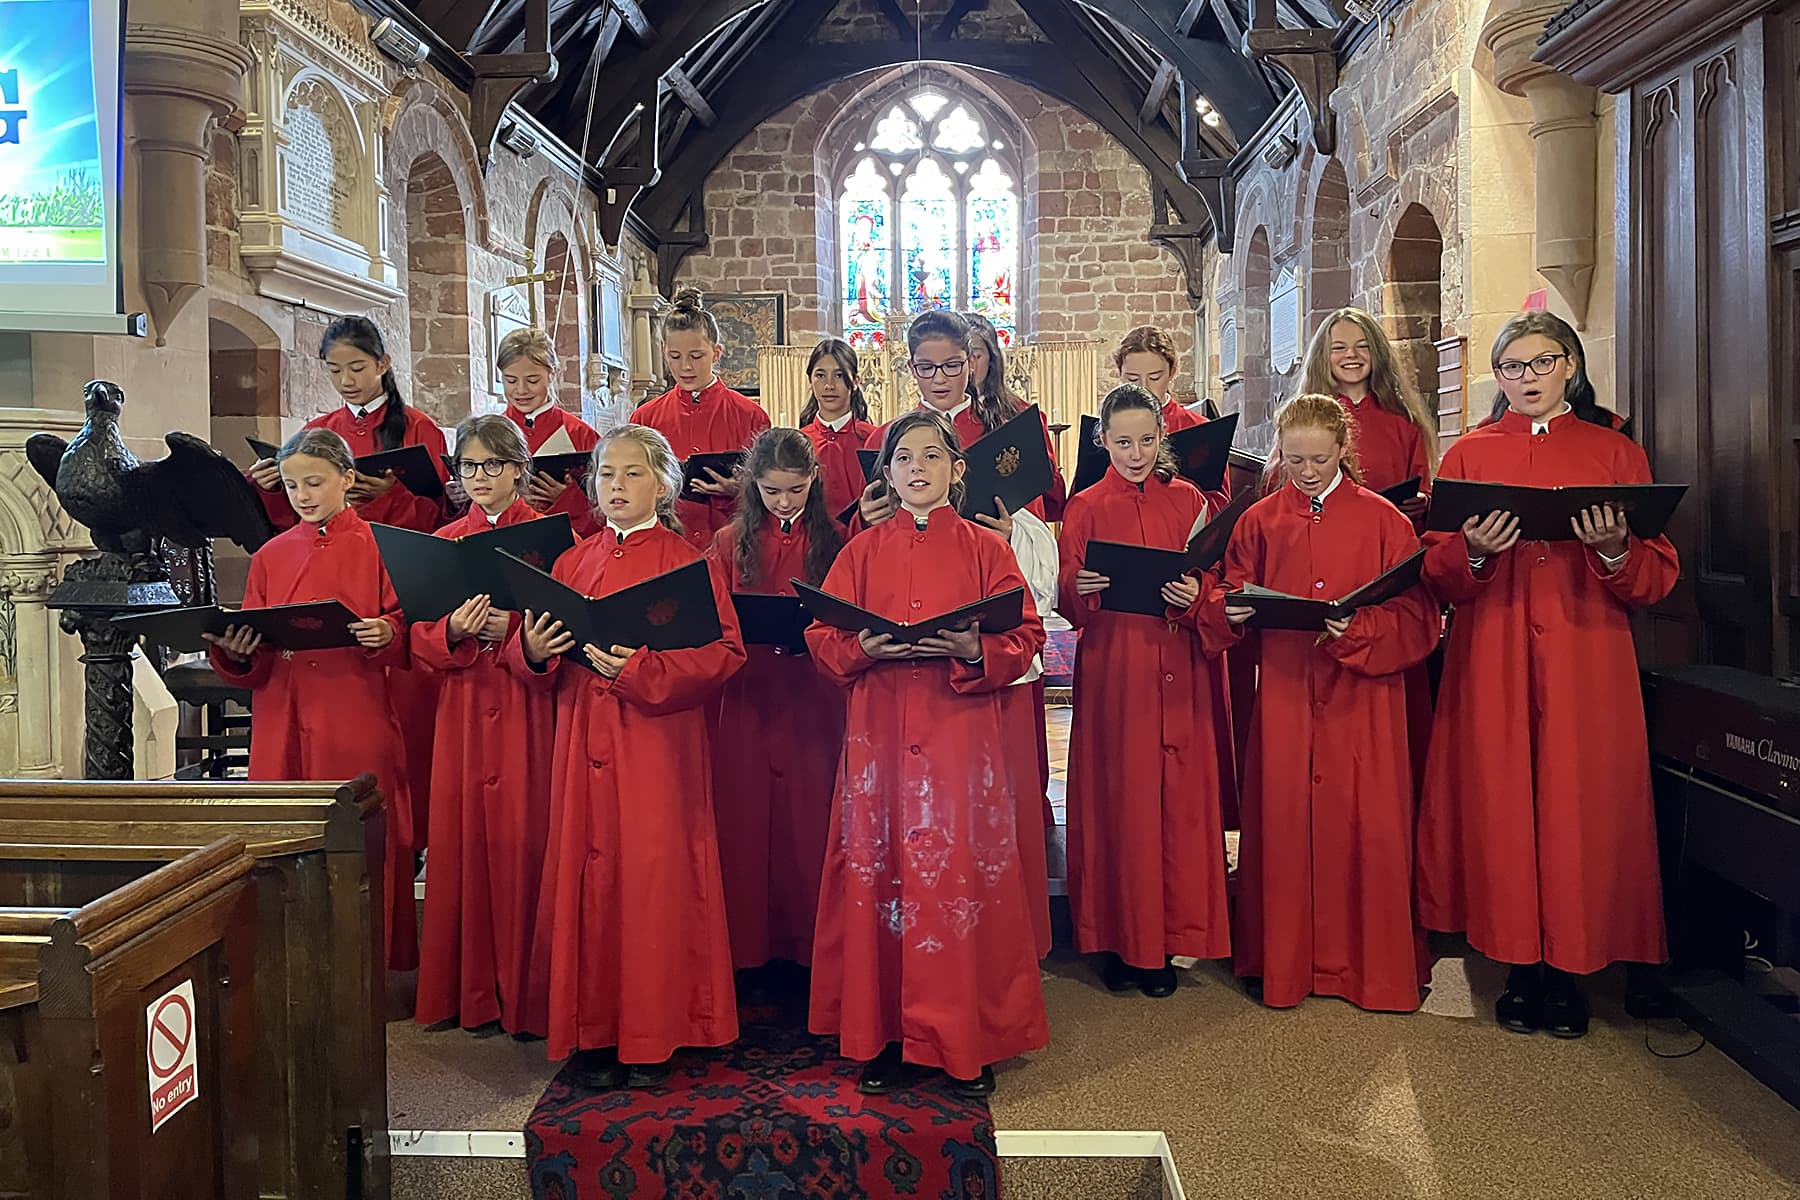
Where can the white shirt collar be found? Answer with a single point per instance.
(959, 410)
(837, 426)
(622, 532)
(1542, 425)
(1329, 488)
(365, 410)
(493, 519)
(918, 516)
(539, 411)
(694, 397)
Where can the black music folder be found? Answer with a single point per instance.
(870, 460)
(1207, 547)
(1011, 465)
(434, 575)
(997, 614)
(261, 448)
(315, 625)
(672, 611)
(1402, 492)
(1278, 610)
(411, 466)
(696, 466)
(566, 468)
(1202, 452)
(1137, 575)
(772, 620)
(1545, 512)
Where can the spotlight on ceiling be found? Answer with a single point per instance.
(398, 42)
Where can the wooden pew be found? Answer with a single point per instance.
(92, 997)
(320, 1114)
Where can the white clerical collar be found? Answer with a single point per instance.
(493, 519)
(837, 426)
(1319, 500)
(537, 412)
(1542, 425)
(621, 532)
(365, 410)
(922, 516)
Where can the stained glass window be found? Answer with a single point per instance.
(865, 234)
(993, 226)
(928, 218)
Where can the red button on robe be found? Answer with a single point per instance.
(631, 921)
(574, 500)
(969, 430)
(1325, 866)
(711, 421)
(839, 467)
(924, 935)
(490, 815)
(778, 731)
(1146, 846)
(414, 692)
(328, 714)
(1536, 832)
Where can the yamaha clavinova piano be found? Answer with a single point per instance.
(1725, 750)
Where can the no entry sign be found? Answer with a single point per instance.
(170, 1054)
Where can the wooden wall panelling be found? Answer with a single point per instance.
(1452, 400)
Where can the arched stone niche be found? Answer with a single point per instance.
(40, 681)
(312, 205)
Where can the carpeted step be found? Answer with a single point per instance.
(460, 1179)
(1088, 1178)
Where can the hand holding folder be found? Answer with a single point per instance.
(434, 575)
(996, 614)
(1279, 610)
(766, 620)
(1009, 466)
(315, 625)
(1546, 514)
(695, 468)
(672, 611)
(1201, 452)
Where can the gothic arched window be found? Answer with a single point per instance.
(928, 217)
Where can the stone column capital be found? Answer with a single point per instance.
(1511, 35)
(167, 60)
(27, 577)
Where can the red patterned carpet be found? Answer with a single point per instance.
(775, 1117)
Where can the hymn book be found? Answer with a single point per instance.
(672, 611)
(997, 614)
(433, 576)
(1009, 466)
(1545, 513)
(314, 625)
(1278, 610)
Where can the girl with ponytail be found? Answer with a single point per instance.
(1324, 900)
(700, 415)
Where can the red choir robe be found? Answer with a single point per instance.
(1536, 832)
(924, 935)
(1325, 865)
(839, 468)
(414, 692)
(711, 421)
(777, 734)
(1390, 450)
(539, 429)
(490, 815)
(969, 430)
(631, 934)
(1146, 845)
(329, 714)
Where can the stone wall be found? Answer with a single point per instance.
(1089, 272)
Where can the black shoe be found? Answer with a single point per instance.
(883, 1073)
(1565, 1008)
(644, 1075)
(1521, 1006)
(597, 1069)
(1115, 974)
(1159, 983)
(1253, 987)
(977, 1089)
(487, 1030)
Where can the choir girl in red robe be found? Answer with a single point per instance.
(700, 415)
(327, 714)
(943, 347)
(527, 363)
(1325, 867)
(1536, 833)
(1396, 433)
(924, 951)
(631, 921)
(374, 418)
(778, 728)
(490, 793)
(1146, 849)
(836, 421)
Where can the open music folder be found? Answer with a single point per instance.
(314, 625)
(1545, 512)
(997, 614)
(672, 611)
(1278, 610)
(434, 575)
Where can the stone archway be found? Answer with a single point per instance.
(1256, 389)
(1327, 256)
(246, 383)
(437, 293)
(1412, 309)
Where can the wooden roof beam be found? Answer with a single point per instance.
(689, 95)
(1159, 92)
(946, 28)
(635, 20)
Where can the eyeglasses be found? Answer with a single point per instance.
(928, 370)
(1512, 368)
(468, 468)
